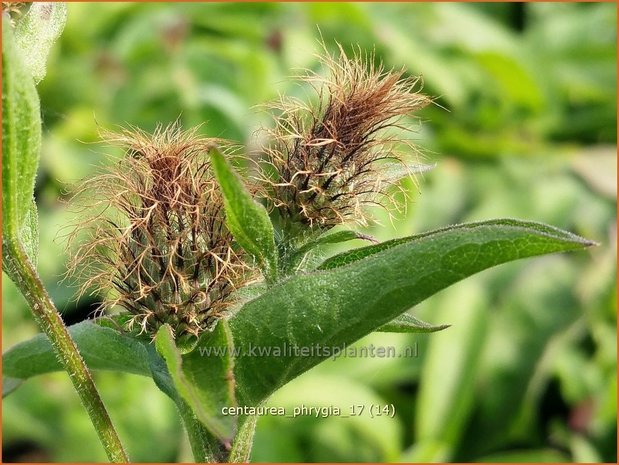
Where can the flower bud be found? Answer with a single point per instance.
(156, 236)
(325, 161)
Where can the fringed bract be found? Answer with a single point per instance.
(157, 236)
(324, 162)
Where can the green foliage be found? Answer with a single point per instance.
(345, 301)
(142, 414)
(336, 307)
(407, 323)
(36, 32)
(24, 54)
(103, 348)
(295, 258)
(204, 381)
(21, 145)
(369, 439)
(247, 220)
(530, 89)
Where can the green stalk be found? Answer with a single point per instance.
(244, 440)
(51, 324)
(207, 449)
(200, 439)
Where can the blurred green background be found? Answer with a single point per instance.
(524, 126)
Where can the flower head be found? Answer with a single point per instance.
(326, 161)
(156, 234)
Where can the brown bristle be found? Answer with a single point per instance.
(156, 233)
(323, 162)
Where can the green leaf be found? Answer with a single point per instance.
(351, 256)
(204, 377)
(243, 441)
(407, 323)
(9, 385)
(248, 220)
(325, 239)
(103, 348)
(329, 309)
(334, 238)
(538, 228)
(21, 137)
(29, 234)
(29, 238)
(36, 32)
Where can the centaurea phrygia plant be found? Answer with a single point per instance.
(173, 232)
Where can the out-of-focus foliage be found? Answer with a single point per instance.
(524, 126)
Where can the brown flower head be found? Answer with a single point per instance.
(156, 236)
(325, 161)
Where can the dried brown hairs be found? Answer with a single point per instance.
(156, 234)
(323, 161)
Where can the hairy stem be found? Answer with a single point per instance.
(48, 319)
(200, 439)
(241, 447)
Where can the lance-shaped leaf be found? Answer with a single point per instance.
(331, 238)
(36, 32)
(102, 348)
(204, 377)
(407, 323)
(28, 236)
(334, 238)
(21, 144)
(248, 220)
(300, 322)
(10, 384)
(357, 254)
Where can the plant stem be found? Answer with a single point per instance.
(241, 447)
(48, 319)
(199, 438)
(207, 449)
